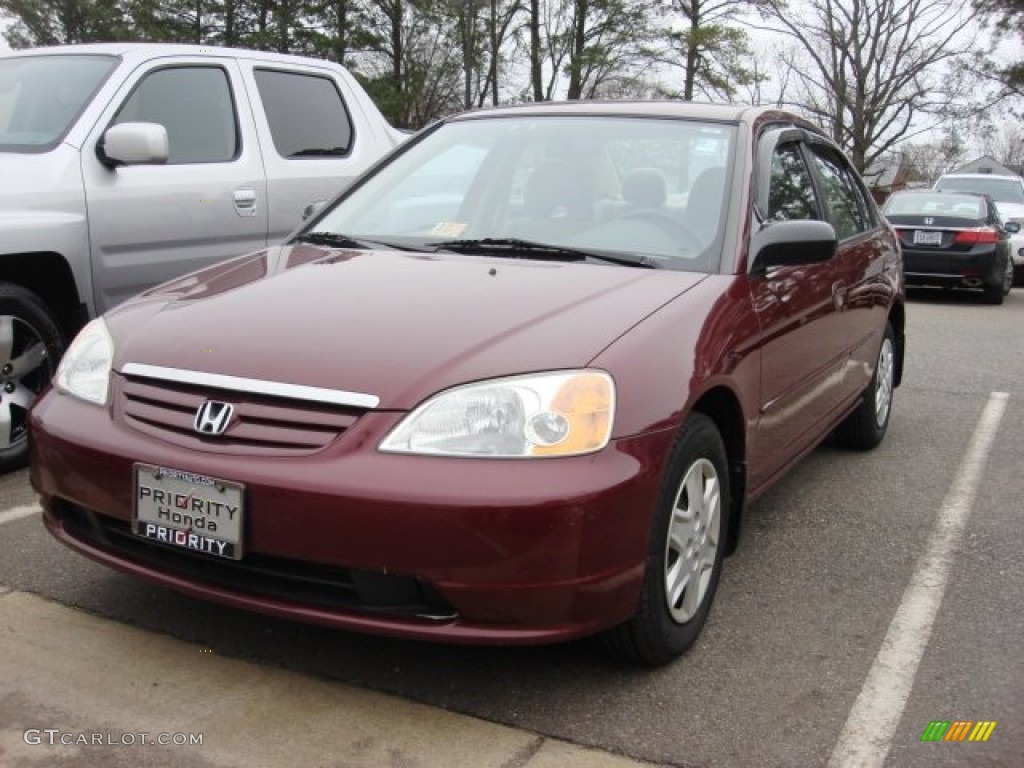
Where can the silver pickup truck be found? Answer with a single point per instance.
(124, 165)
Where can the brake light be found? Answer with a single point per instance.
(977, 236)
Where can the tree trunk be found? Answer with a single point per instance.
(536, 76)
(579, 41)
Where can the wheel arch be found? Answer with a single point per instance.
(723, 407)
(48, 275)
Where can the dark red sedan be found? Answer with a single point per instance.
(517, 384)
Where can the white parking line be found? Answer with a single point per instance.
(876, 713)
(17, 513)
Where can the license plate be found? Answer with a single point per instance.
(925, 237)
(188, 511)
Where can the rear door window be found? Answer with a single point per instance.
(847, 210)
(306, 114)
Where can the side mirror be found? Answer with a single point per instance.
(313, 209)
(134, 144)
(1012, 227)
(791, 243)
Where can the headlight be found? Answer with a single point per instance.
(84, 371)
(564, 413)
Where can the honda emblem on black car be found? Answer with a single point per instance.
(213, 417)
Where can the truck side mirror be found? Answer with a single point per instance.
(134, 144)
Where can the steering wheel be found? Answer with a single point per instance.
(667, 222)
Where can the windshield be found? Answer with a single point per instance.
(652, 188)
(1002, 189)
(40, 97)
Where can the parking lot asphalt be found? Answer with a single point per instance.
(803, 612)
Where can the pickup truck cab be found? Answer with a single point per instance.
(124, 165)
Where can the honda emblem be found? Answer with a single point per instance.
(213, 417)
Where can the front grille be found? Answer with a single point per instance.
(297, 582)
(262, 424)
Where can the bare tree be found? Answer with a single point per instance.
(710, 47)
(931, 159)
(591, 44)
(866, 69)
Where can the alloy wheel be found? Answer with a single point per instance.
(693, 540)
(25, 368)
(883, 382)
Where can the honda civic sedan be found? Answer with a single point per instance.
(516, 384)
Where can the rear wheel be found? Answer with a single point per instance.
(685, 552)
(994, 294)
(865, 427)
(30, 347)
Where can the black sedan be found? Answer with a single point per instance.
(953, 240)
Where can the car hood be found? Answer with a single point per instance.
(1013, 211)
(399, 326)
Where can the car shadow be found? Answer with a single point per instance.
(929, 295)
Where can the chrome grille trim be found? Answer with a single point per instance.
(253, 386)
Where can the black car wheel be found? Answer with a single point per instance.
(684, 559)
(30, 347)
(995, 293)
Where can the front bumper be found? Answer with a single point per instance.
(483, 551)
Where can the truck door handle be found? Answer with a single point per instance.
(245, 202)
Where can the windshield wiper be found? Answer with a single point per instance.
(516, 247)
(339, 240)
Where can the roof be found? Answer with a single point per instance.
(144, 51)
(730, 113)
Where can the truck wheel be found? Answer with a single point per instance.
(30, 348)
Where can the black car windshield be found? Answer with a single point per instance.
(1001, 189)
(650, 188)
(41, 95)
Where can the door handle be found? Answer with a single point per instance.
(245, 202)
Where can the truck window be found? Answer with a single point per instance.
(196, 107)
(306, 113)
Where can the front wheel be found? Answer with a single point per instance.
(30, 347)
(685, 552)
(865, 427)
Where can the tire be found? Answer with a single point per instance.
(30, 347)
(995, 294)
(1018, 276)
(864, 429)
(685, 551)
